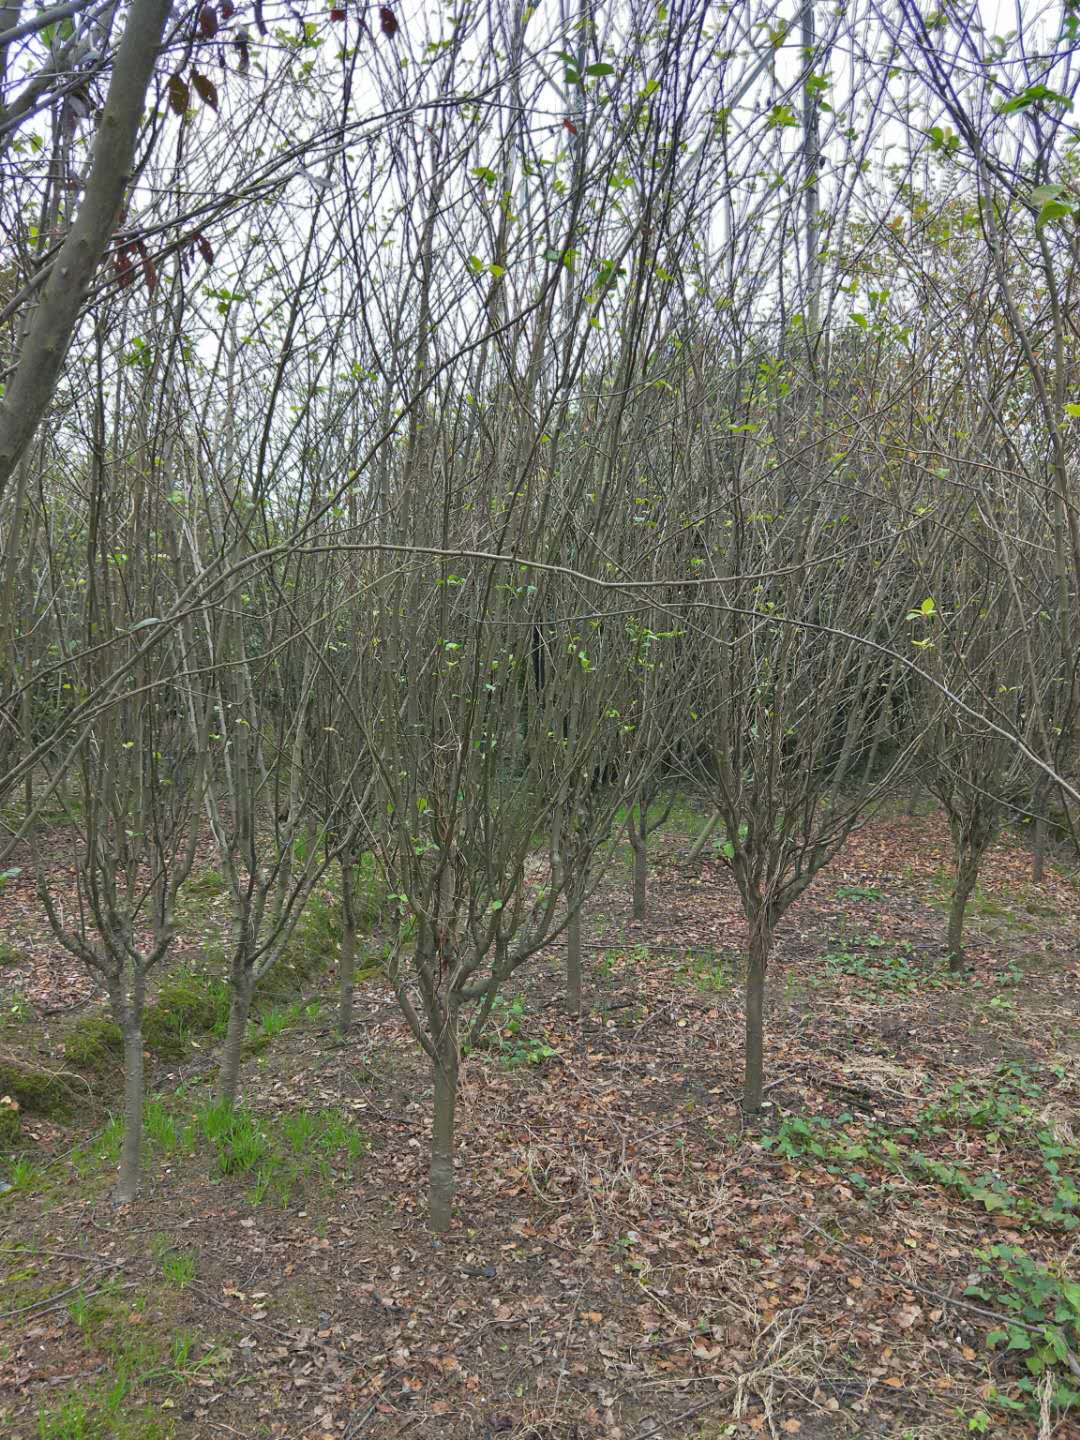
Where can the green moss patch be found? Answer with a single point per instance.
(94, 1043)
(39, 1092)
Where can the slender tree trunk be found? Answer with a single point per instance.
(228, 1085)
(912, 806)
(1039, 801)
(127, 1183)
(55, 316)
(757, 962)
(573, 957)
(639, 845)
(347, 961)
(967, 872)
(1038, 850)
(697, 848)
(441, 1181)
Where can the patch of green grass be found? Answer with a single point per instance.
(857, 892)
(281, 1154)
(707, 972)
(206, 885)
(71, 1420)
(178, 1269)
(15, 1008)
(22, 1175)
(143, 1362)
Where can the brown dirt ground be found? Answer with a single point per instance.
(627, 1261)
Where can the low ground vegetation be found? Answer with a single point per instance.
(889, 1249)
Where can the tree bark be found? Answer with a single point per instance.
(696, 849)
(228, 1085)
(639, 845)
(1038, 850)
(56, 314)
(967, 872)
(127, 1183)
(347, 960)
(441, 1179)
(757, 962)
(573, 958)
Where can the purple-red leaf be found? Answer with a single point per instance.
(205, 249)
(205, 89)
(125, 271)
(208, 22)
(387, 21)
(179, 94)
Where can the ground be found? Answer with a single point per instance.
(629, 1258)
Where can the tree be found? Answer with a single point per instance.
(115, 563)
(44, 344)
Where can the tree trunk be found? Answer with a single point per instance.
(441, 1181)
(639, 845)
(127, 1183)
(696, 849)
(1039, 801)
(239, 1009)
(573, 958)
(757, 961)
(1038, 850)
(55, 316)
(347, 961)
(967, 872)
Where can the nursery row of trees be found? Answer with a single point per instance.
(475, 433)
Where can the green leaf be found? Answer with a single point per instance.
(1042, 194)
(780, 116)
(596, 71)
(1073, 409)
(1053, 210)
(1034, 95)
